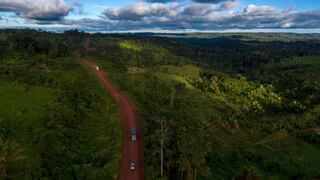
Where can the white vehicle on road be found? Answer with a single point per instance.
(97, 68)
(133, 134)
(133, 166)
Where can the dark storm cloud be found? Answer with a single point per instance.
(36, 10)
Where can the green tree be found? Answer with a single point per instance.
(62, 50)
(193, 147)
(44, 46)
(248, 174)
(163, 134)
(3, 49)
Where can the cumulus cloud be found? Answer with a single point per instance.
(231, 4)
(140, 10)
(36, 10)
(253, 9)
(309, 19)
(199, 16)
(165, 15)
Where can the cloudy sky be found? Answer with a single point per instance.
(163, 15)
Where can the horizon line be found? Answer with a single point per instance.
(163, 31)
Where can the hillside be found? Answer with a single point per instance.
(226, 108)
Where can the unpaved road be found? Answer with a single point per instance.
(131, 151)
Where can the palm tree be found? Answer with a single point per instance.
(10, 151)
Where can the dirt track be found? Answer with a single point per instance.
(131, 151)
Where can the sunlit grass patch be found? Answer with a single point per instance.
(174, 79)
(129, 45)
(188, 71)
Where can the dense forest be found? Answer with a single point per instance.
(212, 106)
(56, 121)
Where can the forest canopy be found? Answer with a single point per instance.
(212, 106)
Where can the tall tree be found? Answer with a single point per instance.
(173, 95)
(163, 134)
(193, 147)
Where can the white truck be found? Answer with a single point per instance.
(97, 68)
(133, 134)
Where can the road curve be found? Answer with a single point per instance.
(131, 151)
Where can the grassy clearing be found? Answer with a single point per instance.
(174, 79)
(130, 46)
(188, 71)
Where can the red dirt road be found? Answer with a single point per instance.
(131, 151)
